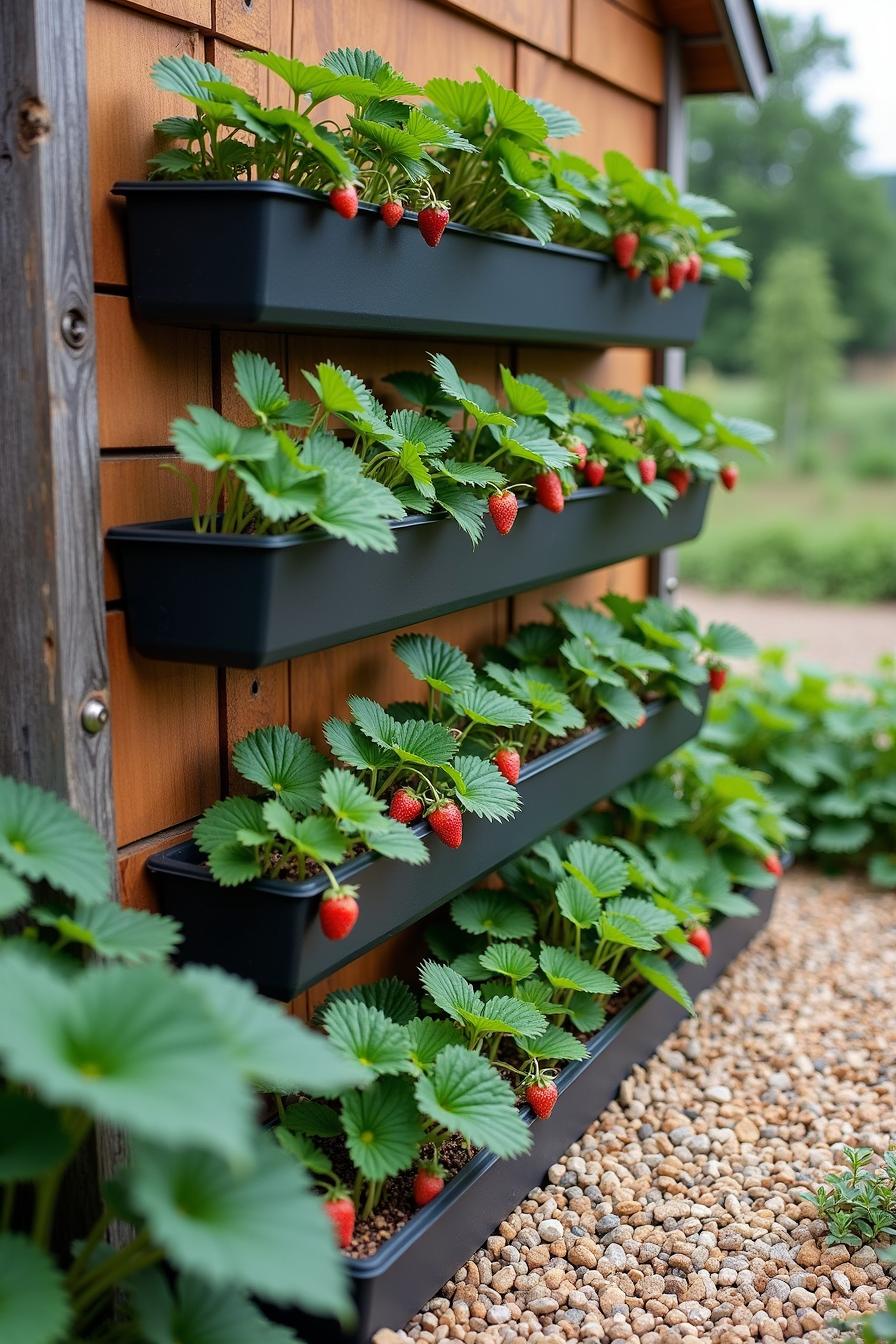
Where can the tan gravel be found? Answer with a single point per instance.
(678, 1216)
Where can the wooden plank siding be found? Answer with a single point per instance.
(174, 725)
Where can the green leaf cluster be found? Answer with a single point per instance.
(171, 1061)
(827, 747)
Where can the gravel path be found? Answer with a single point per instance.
(678, 1216)
(847, 639)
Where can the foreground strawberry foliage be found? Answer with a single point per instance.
(829, 749)
(475, 151)
(290, 472)
(454, 753)
(171, 1061)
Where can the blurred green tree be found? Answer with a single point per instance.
(787, 173)
(796, 338)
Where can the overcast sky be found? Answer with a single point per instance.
(870, 26)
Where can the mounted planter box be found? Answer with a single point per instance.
(266, 254)
(246, 601)
(267, 931)
(389, 1286)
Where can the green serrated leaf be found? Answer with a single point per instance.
(382, 1127)
(482, 789)
(467, 1095)
(496, 913)
(554, 1044)
(564, 970)
(366, 1035)
(284, 763)
(508, 959)
(660, 974)
(34, 1305)
(43, 840)
(441, 665)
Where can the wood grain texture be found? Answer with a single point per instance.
(165, 756)
(136, 489)
(245, 21)
(194, 13)
(51, 609)
(648, 10)
(611, 118)
(123, 104)
(619, 47)
(147, 375)
(251, 700)
(573, 369)
(545, 24)
(135, 887)
(419, 38)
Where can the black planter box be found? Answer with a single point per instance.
(265, 254)
(246, 601)
(389, 1286)
(267, 931)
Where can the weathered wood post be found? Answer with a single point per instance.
(53, 672)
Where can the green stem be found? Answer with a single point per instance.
(80, 1264)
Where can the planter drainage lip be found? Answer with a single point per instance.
(302, 267)
(241, 600)
(266, 931)
(387, 1287)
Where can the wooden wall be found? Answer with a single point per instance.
(173, 726)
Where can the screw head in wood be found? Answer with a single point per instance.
(74, 328)
(671, 583)
(94, 714)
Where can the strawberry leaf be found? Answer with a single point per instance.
(555, 1043)
(508, 959)
(260, 384)
(43, 840)
(656, 971)
(353, 806)
(654, 800)
(441, 665)
(496, 913)
(490, 707)
(365, 1035)
(511, 112)
(353, 747)
(467, 1095)
(564, 970)
(482, 789)
(523, 398)
(466, 508)
(382, 1128)
(427, 1038)
(284, 763)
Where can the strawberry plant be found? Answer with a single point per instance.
(859, 1204)
(423, 1084)
(378, 149)
(214, 1212)
(828, 745)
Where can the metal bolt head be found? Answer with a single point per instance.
(74, 328)
(672, 583)
(94, 714)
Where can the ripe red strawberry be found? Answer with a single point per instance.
(695, 267)
(503, 507)
(341, 1212)
(678, 273)
(625, 245)
(344, 201)
(635, 272)
(549, 491)
(773, 864)
(728, 475)
(405, 806)
(338, 913)
(508, 762)
(581, 453)
(659, 285)
(700, 939)
(680, 477)
(542, 1097)
(718, 675)
(391, 212)
(647, 470)
(448, 824)
(595, 471)
(427, 1184)
(431, 222)
(639, 723)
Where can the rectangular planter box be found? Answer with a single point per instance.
(267, 931)
(389, 1286)
(265, 254)
(246, 601)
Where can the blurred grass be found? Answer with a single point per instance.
(822, 523)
